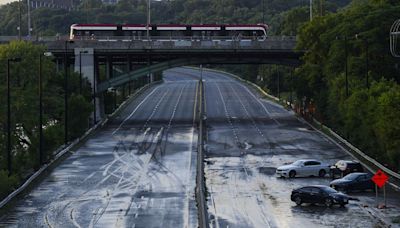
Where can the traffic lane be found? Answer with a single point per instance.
(248, 166)
(251, 173)
(92, 186)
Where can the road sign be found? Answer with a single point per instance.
(380, 178)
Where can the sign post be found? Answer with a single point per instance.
(380, 179)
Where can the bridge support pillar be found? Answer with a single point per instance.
(85, 63)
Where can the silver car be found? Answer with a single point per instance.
(303, 168)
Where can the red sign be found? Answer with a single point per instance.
(380, 178)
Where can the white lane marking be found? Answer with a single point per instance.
(155, 109)
(228, 117)
(133, 112)
(262, 105)
(175, 107)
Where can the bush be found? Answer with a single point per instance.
(8, 183)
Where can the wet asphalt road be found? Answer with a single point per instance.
(139, 171)
(248, 138)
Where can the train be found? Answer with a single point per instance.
(130, 32)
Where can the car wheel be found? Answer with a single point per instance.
(297, 200)
(322, 173)
(292, 174)
(328, 202)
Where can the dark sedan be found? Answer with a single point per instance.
(319, 194)
(353, 182)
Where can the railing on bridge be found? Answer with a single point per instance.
(144, 39)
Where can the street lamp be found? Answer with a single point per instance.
(366, 43)
(47, 54)
(9, 114)
(346, 62)
(148, 20)
(66, 91)
(80, 69)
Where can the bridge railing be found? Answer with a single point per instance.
(144, 39)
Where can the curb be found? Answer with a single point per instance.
(63, 149)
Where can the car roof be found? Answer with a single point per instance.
(314, 186)
(305, 160)
(348, 161)
(358, 173)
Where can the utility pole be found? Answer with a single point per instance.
(66, 91)
(19, 19)
(148, 20)
(9, 149)
(29, 19)
(346, 66)
(263, 11)
(40, 113)
(311, 14)
(367, 62)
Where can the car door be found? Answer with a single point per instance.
(314, 168)
(359, 183)
(306, 195)
(306, 168)
(317, 195)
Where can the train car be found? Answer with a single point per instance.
(131, 32)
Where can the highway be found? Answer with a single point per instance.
(140, 169)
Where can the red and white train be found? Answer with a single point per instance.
(168, 32)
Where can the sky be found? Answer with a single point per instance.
(2, 2)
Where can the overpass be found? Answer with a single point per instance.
(136, 57)
(110, 62)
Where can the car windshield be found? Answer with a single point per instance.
(297, 163)
(351, 176)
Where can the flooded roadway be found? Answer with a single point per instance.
(138, 171)
(248, 138)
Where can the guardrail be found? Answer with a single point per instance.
(200, 185)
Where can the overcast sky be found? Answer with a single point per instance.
(2, 2)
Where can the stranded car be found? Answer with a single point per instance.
(303, 168)
(342, 168)
(319, 194)
(353, 181)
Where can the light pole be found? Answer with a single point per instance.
(366, 43)
(346, 53)
(19, 20)
(263, 11)
(148, 20)
(29, 19)
(47, 54)
(80, 70)
(66, 91)
(94, 93)
(40, 113)
(9, 160)
(291, 86)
